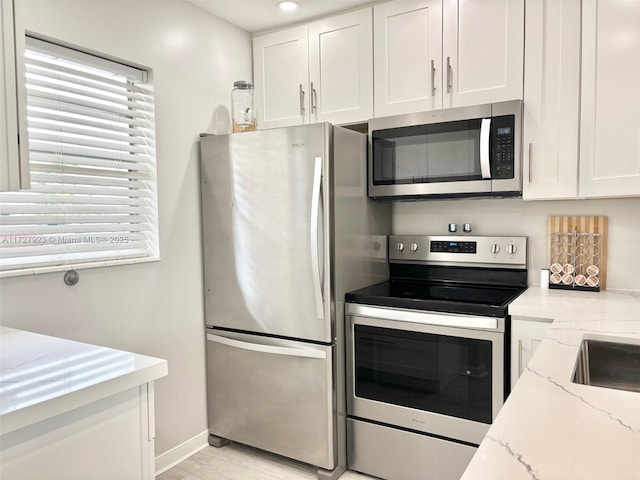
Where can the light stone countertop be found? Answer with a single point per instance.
(43, 376)
(551, 428)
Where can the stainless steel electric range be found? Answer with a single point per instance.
(427, 354)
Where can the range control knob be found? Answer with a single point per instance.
(495, 248)
(511, 249)
(399, 246)
(414, 247)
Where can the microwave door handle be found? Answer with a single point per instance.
(485, 130)
(316, 198)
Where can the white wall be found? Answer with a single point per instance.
(517, 217)
(155, 308)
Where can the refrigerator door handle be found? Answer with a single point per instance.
(315, 251)
(255, 347)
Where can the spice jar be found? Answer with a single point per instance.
(242, 109)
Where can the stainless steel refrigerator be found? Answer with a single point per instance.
(288, 229)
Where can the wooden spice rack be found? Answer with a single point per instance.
(578, 246)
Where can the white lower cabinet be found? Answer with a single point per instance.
(526, 335)
(112, 438)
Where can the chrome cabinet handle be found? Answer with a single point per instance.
(433, 78)
(314, 99)
(530, 162)
(449, 75)
(301, 100)
(485, 131)
(316, 198)
(520, 366)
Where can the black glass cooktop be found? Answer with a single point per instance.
(439, 297)
(466, 290)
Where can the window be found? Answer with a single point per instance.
(92, 160)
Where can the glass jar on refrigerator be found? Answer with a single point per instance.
(242, 108)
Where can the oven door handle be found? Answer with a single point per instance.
(425, 318)
(485, 136)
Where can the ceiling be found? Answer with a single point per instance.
(258, 15)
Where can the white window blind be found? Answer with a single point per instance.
(93, 198)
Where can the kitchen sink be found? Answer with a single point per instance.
(608, 364)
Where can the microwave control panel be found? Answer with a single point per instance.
(502, 133)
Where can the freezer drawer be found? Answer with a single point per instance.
(272, 394)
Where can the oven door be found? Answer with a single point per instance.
(441, 374)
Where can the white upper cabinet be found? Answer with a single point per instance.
(407, 56)
(581, 101)
(14, 161)
(432, 54)
(281, 77)
(551, 99)
(341, 68)
(318, 72)
(482, 50)
(610, 109)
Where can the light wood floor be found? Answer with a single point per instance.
(237, 462)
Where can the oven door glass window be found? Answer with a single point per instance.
(447, 152)
(435, 373)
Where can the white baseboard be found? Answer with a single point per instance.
(172, 457)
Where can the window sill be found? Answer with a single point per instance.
(77, 266)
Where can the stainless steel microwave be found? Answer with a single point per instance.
(457, 152)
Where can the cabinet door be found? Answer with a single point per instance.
(407, 47)
(103, 440)
(551, 99)
(341, 68)
(281, 77)
(526, 335)
(483, 45)
(14, 167)
(610, 123)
